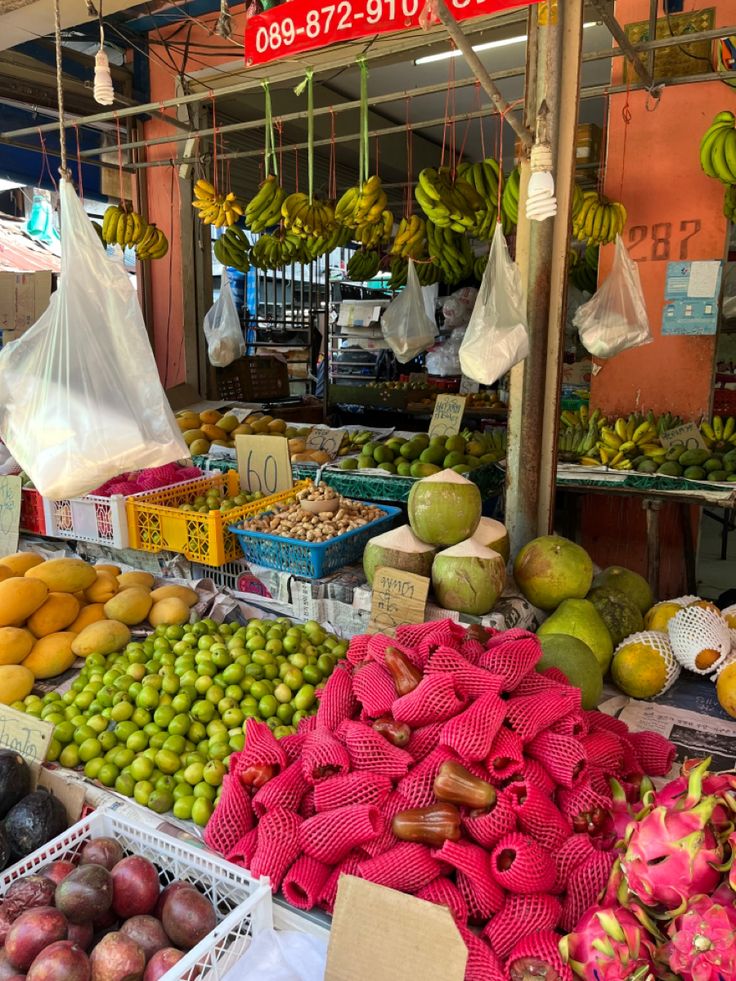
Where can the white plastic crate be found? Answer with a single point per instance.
(243, 904)
(227, 576)
(102, 520)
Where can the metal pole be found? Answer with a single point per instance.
(564, 126)
(621, 37)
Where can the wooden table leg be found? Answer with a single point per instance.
(652, 508)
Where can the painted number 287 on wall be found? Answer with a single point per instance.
(662, 241)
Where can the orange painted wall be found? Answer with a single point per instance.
(653, 167)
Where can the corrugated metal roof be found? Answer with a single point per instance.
(20, 252)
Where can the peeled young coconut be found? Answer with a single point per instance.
(398, 549)
(493, 534)
(468, 578)
(444, 509)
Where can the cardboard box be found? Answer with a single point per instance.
(23, 298)
(588, 142)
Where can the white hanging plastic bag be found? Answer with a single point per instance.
(225, 341)
(615, 317)
(406, 325)
(282, 955)
(497, 336)
(80, 396)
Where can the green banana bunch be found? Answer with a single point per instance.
(363, 265)
(428, 273)
(122, 227)
(152, 245)
(666, 422)
(411, 238)
(584, 268)
(729, 203)
(449, 203)
(718, 148)
(510, 198)
(305, 218)
(399, 271)
(479, 266)
(598, 221)
(264, 208)
(451, 252)
(486, 178)
(232, 249)
(275, 251)
(338, 238)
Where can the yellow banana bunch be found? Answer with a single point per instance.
(307, 219)
(152, 245)
(448, 203)
(372, 235)
(486, 178)
(628, 440)
(122, 227)
(719, 434)
(451, 252)
(371, 202)
(598, 221)
(411, 238)
(216, 209)
(264, 208)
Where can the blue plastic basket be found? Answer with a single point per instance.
(311, 560)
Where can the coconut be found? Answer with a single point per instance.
(398, 549)
(493, 534)
(468, 578)
(444, 509)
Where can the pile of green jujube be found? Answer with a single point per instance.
(158, 721)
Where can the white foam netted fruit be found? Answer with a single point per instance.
(658, 642)
(729, 615)
(700, 638)
(685, 600)
(731, 659)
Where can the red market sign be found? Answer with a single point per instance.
(300, 25)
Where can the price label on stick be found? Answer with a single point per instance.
(447, 416)
(688, 434)
(329, 440)
(397, 598)
(264, 463)
(10, 491)
(24, 734)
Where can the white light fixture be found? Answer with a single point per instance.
(541, 202)
(486, 46)
(103, 91)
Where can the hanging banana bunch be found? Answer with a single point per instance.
(264, 208)
(599, 221)
(399, 272)
(510, 197)
(485, 177)
(411, 238)
(233, 248)
(152, 245)
(128, 229)
(428, 272)
(452, 253)
(214, 208)
(449, 203)
(363, 265)
(274, 251)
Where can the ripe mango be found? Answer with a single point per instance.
(103, 588)
(114, 570)
(6, 573)
(129, 606)
(184, 593)
(200, 447)
(15, 645)
(171, 612)
(103, 637)
(16, 682)
(211, 416)
(51, 655)
(144, 579)
(90, 614)
(64, 575)
(20, 562)
(213, 432)
(19, 598)
(192, 435)
(57, 613)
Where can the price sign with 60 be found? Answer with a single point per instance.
(264, 464)
(301, 26)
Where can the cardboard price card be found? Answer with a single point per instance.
(24, 734)
(688, 434)
(10, 493)
(328, 440)
(447, 416)
(397, 598)
(264, 463)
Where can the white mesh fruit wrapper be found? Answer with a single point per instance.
(659, 643)
(729, 615)
(684, 600)
(694, 630)
(723, 665)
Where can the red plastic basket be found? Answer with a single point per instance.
(32, 517)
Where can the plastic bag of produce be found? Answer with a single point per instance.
(497, 336)
(225, 341)
(80, 396)
(615, 318)
(406, 326)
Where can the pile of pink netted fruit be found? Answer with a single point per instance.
(147, 480)
(442, 764)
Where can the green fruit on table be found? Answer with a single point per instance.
(579, 618)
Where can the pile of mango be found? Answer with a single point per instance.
(694, 464)
(422, 455)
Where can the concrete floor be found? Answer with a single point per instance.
(714, 575)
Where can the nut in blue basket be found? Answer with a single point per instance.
(319, 515)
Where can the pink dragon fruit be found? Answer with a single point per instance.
(607, 945)
(720, 785)
(672, 854)
(702, 944)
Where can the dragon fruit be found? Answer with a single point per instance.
(720, 785)
(672, 853)
(702, 944)
(607, 945)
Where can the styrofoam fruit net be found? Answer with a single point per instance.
(685, 600)
(660, 644)
(700, 639)
(729, 615)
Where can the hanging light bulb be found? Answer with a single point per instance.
(104, 93)
(541, 202)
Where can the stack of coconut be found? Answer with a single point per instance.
(447, 539)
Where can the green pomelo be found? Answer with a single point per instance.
(444, 509)
(493, 534)
(468, 578)
(579, 618)
(398, 549)
(630, 583)
(551, 569)
(577, 662)
(616, 610)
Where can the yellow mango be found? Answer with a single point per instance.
(114, 570)
(20, 562)
(103, 588)
(184, 593)
(15, 683)
(144, 579)
(129, 606)
(19, 598)
(51, 655)
(64, 575)
(6, 573)
(170, 611)
(89, 614)
(15, 645)
(59, 610)
(102, 637)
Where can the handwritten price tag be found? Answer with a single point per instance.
(24, 734)
(688, 433)
(398, 597)
(447, 416)
(9, 514)
(264, 463)
(329, 440)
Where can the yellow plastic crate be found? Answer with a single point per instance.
(156, 524)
